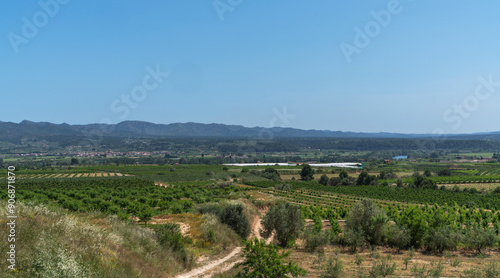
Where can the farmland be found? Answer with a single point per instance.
(183, 198)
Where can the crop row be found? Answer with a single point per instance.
(124, 196)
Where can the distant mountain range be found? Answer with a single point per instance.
(139, 129)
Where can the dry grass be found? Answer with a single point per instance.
(55, 244)
(478, 186)
(311, 261)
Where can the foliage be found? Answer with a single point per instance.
(367, 220)
(334, 269)
(307, 172)
(413, 218)
(265, 261)
(286, 220)
(382, 269)
(365, 179)
(323, 180)
(478, 238)
(442, 238)
(234, 217)
(398, 237)
(314, 239)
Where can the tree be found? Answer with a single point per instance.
(364, 178)
(423, 182)
(440, 239)
(427, 173)
(307, 172)
(145, 214)
(264, 261)
(444, 172)
(343, 174)
(334, 181)
(335, 227)
(74, 161)
(413, 218)
(233, 216)
(324, 180)
(478, 239)
(286, 220)
(398, 237)
(399, 183)
(368, 220)
(387, 174)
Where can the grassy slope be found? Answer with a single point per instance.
(55, 244)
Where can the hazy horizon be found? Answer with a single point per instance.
(380, 66)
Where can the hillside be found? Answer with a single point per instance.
(134, 129)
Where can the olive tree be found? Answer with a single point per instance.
(286, 221)
(368, 220)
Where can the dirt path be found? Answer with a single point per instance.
(202, 271)
(229, 261)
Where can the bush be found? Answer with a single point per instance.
(440, 239)
(478, 239)
(169, 235)
(314, 240)
(353, 239)
(334, 269)
(213, 231)
(382, 269)
(263, 260)
(233, 216)
(398, 237)
(324, 180)
(366, 219)
(286, 220)
(283, 186)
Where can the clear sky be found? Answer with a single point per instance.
(369, 66)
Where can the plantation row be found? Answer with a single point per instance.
(320, 207)
(405, 195)
(457, 179)
(69, 175)
(124, 196)
(314, 197)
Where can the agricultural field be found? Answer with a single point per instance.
(181, 206)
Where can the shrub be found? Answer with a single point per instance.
(440, 239)
(353, 239)
(334, 269)
(314, 240)
(382, 269)
(324, 180)
(398, 237)
(286, 220)
(367, 220)
(263, 260)
(478, 239)
(233, 216)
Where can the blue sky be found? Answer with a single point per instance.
(416, 66)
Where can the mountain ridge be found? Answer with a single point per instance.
(138, 129)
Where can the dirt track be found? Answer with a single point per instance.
(227, 262)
